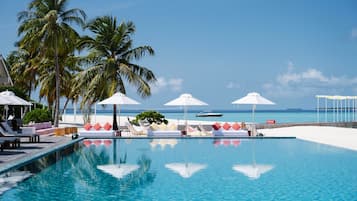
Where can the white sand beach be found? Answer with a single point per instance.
(334, 136)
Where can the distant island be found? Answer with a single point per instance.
(294, 109)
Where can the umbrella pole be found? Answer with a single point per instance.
(6, 111)
(185, 116)
(115, 124)
(95, 113)
(119, 116)
(253, 117)
(75, 112)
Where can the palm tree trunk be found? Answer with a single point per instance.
(29, 91)
(57, 101)
(65, 106)
(115, 124)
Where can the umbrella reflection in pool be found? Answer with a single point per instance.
(185, 170)
(118, 170)
(253, 171)
(121, 169)
(163, 143)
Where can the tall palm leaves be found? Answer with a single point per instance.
(46, 31)
(23, 70)
(110, 62)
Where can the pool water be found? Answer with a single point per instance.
(196, 169)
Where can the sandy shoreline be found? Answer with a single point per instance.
(334, 136)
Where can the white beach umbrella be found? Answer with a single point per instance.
(9, 98)
(186, 100)
(118, 170)
(253, 171)
(254, 99)
(185, 170)
(118, 99)
(4, 101)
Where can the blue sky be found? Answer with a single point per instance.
(288, 51)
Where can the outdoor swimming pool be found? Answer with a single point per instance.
(196, 169)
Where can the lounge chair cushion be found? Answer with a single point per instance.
(87, 126)
(97, 126)
(171, 127)
(163, 127)
(216, 126)
(236, 126)
(107, 126)
(226, 126)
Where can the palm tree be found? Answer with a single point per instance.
(46, 30)
(23, 70)
(110, 63)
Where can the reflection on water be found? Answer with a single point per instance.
(253, 171)
(185, 170)
(162, 143)
(10, 179)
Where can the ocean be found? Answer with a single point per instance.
(261, 116)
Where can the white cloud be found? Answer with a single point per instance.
(175, 84)
(309, 76)
(162, 84)
(308, 83)
(290, 66)
(232, 85)
(354, 33)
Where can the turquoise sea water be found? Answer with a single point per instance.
(260, 116)
(297, 170)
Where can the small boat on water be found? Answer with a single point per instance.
(209, 114)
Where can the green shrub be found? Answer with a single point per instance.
(151, 117)
(37, 115)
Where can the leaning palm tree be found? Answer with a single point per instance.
(23, 70)
(110, 63)
(45, 27)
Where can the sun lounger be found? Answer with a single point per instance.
(10, 142)
(164, 130)
(136, 130)
(96, 130)
(204, 132)
(164, 133)
(2, 144)
(6, 131)
(41, 128)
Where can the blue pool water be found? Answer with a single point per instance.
(295, 170)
